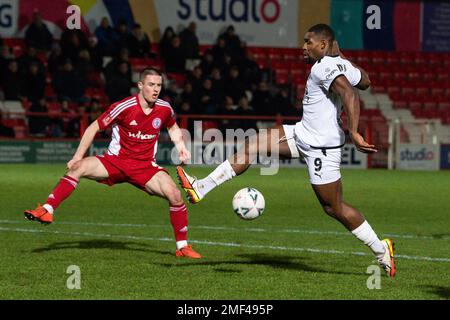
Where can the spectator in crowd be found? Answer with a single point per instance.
(196, 79)
(208, 63)
(172, 94)
(234, 45)
(56, 59)
(86, 68)
(208, 98)
(174, 57)
(95, 53)
(219, 50)
(189, 41)
(262, 100)
(5, 57)
(229, 108)
(165, 41)
(38, 125)
(107, 38)
(245, 109)
(5, 131)
(12, 82)
(123, 35)
(72, 42)
(219, 84)
(234, 87)
(185, 108)
(140, 44)
(94, 110)
(251, 74)
(112, 69)
(69, 84)
(283, 103)
(33, 83)
(119, 85)
(187, 96)
(37, 34)
(70, 120)
(29, 57)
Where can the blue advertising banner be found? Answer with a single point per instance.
(436, 26)
(445, 156)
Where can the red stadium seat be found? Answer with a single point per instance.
(378, 87)
(378, 57)
(422, 89)
(392, 58)
(262, 63)
(282, 78)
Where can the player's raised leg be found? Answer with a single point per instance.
(330, 197)
(271, 142)
(89, 167)
(162, 185)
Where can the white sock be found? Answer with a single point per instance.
(221, 174)
(49, 208)
(366, 234)
(181, 244)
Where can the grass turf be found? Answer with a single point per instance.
(122, 240)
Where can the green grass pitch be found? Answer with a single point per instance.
(122, 241)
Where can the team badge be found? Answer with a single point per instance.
(156, 123)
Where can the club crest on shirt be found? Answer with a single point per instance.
(156, 123)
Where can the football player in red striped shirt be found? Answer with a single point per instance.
(136, 123)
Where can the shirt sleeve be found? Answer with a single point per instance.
(328, 70)
(170, 119)
(325, 73)
(353, 75)
(109, 117)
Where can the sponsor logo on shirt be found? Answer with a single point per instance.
(328, 76)
(156, 123)
(141, 136)
(133, 123)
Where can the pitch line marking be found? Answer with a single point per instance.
(213, 243)
(334, 233)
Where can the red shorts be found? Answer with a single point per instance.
(136, 172)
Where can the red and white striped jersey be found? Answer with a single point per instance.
(135, 134)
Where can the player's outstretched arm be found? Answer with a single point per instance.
(364, 84)
(176, 135)
(85, 143)
(350, 100)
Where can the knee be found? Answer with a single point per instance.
(328, 210)
(77, 170)
(335, 211)
(174, 196)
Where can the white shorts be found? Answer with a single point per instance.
(323, 165)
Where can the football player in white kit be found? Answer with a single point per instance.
(318, 138)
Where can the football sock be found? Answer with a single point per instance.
(63, 189)
(221, 174)
(179, 221)
(366, 234)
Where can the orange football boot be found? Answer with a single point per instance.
(39, 214)
(187, 252)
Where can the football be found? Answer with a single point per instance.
(248, 203)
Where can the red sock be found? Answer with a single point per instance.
(62, 190)
(179, 221)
